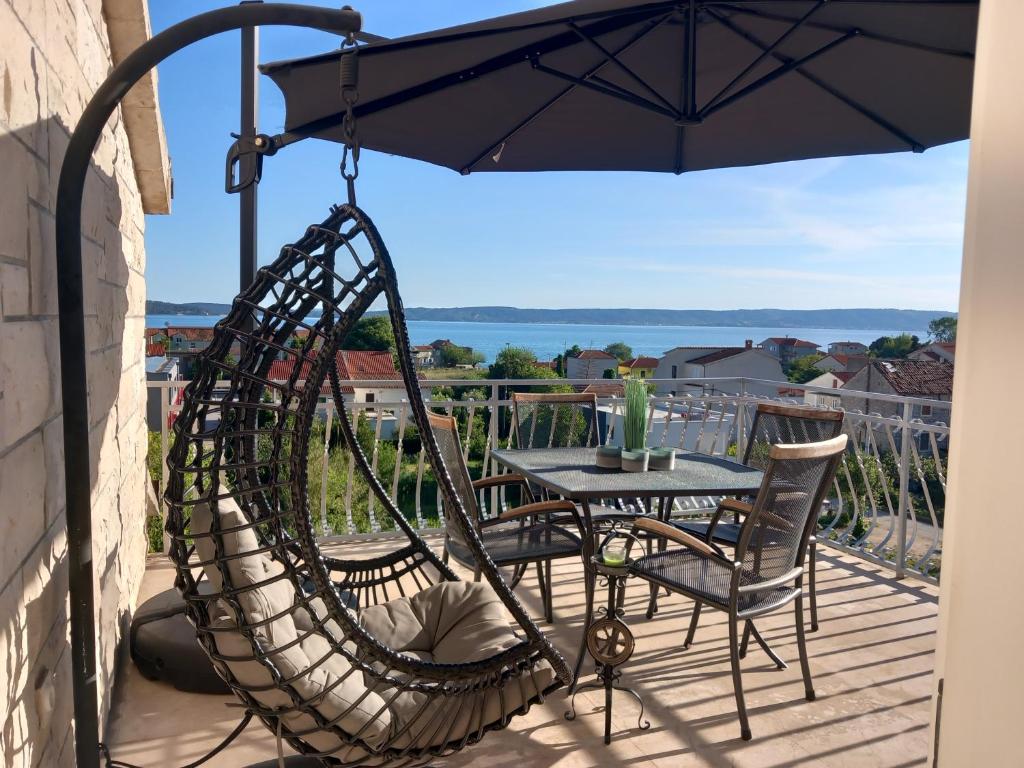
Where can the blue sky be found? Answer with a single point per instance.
(882, 231)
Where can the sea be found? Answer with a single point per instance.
(549, 339)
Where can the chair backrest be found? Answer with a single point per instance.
(554, 420)
(446, 433)
(787, 424)
(775, 534)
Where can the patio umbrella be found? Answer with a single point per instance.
(655, 86)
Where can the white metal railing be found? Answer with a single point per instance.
(886, 506)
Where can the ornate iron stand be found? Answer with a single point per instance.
(611, 644)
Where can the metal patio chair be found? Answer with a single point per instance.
(561, 420)
(354, 659)
(534, 532)
(767, 570)
(773, 424)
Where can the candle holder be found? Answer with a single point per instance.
(609, 641)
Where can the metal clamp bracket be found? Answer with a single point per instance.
(260, 145)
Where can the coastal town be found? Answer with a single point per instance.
(786, 367)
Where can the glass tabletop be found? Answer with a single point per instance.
(573, 473)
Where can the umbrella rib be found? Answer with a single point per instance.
(874, 117)
(764, 54)
(640, 35)
(775, 74)
(761, 14)
(494, 64)
(614, 92)
(614, 59)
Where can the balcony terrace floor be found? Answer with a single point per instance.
(872, 662)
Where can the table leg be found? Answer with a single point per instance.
(589, 582)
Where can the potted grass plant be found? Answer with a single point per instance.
(634, 433)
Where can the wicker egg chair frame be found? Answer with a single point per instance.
(231, 443)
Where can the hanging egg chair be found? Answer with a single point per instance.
(356, 660)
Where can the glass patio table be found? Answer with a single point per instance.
(573, 474)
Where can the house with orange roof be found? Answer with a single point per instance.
(839, 362)
(717, 362)
(639, 367)
(788, 349)
(937, 351)
(590, 364)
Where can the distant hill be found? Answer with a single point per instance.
(191, 308)
(847, 319)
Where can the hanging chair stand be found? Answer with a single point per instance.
(261, 321)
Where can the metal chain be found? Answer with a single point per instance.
(350, 95)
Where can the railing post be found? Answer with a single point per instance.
(741, 423)
(904, 498)
(495, 443)
(165, 414)
(324, 468)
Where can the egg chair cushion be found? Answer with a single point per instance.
(451, 622)
(270, 611)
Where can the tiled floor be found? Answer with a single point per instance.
(871, 660)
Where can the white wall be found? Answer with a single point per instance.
(53, 54)
(981, 612)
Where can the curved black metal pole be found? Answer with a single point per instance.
(72, 321)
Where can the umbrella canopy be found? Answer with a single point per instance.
(656, 86)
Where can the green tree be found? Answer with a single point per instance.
(609, 373)
(803, 370)
(451, 355)
(518, 363)
(572, 351)
(620, 350)
(372, 333)
(942, 329)
(894, 346)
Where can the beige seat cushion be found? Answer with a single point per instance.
(448, 623)
(316, 669)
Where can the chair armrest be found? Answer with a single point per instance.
(490, 482)
(542, 508)
(735, 505)
(672, 533)
(539, 508)
(726, 505)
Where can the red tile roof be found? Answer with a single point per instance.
(843, 376)
(363, 365)
(422, 348)
(642, 362)
(714, 357)
(611, 389)
(789, 341)
(353, 365)
(155, 350)
(917, 377)
(594, 354)
(192, 333)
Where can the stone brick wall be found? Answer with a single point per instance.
(53, 53)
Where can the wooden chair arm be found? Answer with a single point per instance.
(672, 533)
(539, 508)
(735, 505)
(543, 508)
(490, 482)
